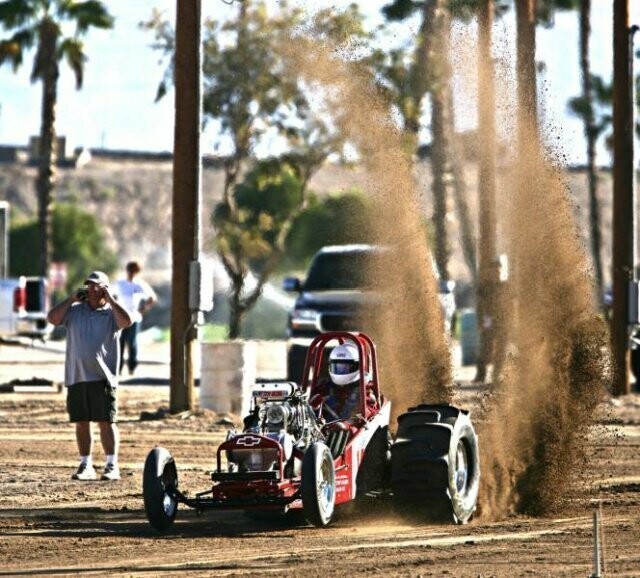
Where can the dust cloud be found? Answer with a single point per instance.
(533, 421)
(532, 435)
(414, 358)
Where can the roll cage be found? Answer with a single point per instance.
(317, 360)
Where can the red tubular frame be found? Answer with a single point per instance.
(368, 363)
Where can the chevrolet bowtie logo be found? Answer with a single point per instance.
(248, 441)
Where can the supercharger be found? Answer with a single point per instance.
(281, 412)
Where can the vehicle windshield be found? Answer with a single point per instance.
(339, 271)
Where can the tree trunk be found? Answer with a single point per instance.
(487, 191)
(236, 308)
(441, 140)
(460, 191)
(47, 150)
(590, 136)
(526, 66)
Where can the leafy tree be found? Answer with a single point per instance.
(40, 23)
(430, 71)
(333, 220)
(249, 91)
(78, 240)
(265, 204)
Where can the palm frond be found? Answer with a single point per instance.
(11, 52)
(90, 13)
(72, 49)
(400, 9)
(16, 13)
(12, 49)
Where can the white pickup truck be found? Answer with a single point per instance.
(23, 307)
(24, 301)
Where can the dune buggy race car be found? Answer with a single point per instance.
(294, 457)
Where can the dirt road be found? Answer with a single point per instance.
(51, 524)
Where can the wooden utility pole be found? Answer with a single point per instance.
(187, 192)
(622, 193)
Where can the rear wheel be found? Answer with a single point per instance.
(159, 482)
(318, 486)
(435, 464)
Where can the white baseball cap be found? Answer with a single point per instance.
(97, 277)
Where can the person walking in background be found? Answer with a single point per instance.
(137, 296)
(94, 321)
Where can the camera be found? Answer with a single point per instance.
(82, 294)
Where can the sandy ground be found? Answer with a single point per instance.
(50, 524)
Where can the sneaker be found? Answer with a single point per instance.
(85, 472)
(111, 472)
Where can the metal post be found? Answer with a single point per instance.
(603, 554)
(597, 572)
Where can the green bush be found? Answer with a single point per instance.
(78, 241)
(335, 220)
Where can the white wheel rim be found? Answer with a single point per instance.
(326, 485)
(462, 468)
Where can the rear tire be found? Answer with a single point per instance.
(318, 486)
(160, 479)
(435, 470)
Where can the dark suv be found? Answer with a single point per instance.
(335, 294)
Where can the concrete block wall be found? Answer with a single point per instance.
(230, 369)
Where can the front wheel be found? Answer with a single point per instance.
(159, 482)
(318, 486)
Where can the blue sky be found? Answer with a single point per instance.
(115, 108)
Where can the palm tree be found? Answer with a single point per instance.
(39, 24)
(431, 72)
(591, 134)
(486, 299)
(526, 66)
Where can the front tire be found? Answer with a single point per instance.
(318, 486)
(159, 482)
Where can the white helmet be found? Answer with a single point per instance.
(344, 364)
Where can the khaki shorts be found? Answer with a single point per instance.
(92, 401)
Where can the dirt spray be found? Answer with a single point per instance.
(415, 362)
(532, 424)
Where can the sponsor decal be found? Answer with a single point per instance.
(247, 441)
(342, 481)
(270, 394)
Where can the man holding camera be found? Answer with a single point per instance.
(94, 320)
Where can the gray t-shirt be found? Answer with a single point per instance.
(93, 349)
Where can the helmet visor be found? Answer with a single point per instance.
(343, 366)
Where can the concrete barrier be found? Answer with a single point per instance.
(229, 369)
